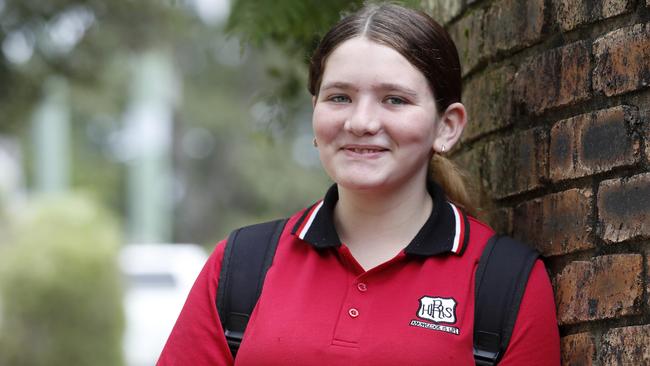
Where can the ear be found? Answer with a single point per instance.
(450, 127)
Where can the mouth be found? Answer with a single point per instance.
(364, 149)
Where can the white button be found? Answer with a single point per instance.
(353, 312)
(362, 287)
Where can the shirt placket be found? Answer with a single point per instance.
(353, 315)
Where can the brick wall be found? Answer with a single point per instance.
(558, 94)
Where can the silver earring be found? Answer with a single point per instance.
(444, 148)
(315, 142)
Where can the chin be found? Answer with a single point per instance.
(362, 183)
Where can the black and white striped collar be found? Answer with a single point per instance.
(445, 231)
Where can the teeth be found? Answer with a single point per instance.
(364, 151)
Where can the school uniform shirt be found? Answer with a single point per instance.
(318, 306)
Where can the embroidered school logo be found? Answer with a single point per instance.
(438, 310)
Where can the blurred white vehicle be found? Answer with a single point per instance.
(158, 278)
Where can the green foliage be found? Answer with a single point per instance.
(117, 27)
(60, 286)
(270, 187)
(97, 70)
(292, 27)
(251, 175)
(295, 27)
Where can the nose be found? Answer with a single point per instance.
(363, 118)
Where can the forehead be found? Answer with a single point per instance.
(360, 60)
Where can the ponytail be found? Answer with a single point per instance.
(452, 180)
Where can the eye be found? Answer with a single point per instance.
(396, 100)
(338, 98)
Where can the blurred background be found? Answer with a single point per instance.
(134, 135)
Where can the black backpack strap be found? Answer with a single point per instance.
(501, 279)
(247, 257)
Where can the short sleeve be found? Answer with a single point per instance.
(197, 337)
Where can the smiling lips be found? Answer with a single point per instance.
(364, 150)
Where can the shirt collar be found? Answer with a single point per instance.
(445, 231)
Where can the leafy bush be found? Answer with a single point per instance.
(60, 287)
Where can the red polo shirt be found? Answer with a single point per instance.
(320, 307)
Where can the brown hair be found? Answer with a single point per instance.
(428, 47)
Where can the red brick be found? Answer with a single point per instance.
(488, 98)
(499, 218)
(469, 162)
(645, 122)
(577, 350)
(472, 161)
(624, 208)
(573, 13)
(556, 78)
(558, 223)
(528, 218)
(611, 8)
(647, 278)
(562, 149)
(626, 346)
(622, 60)
(608, 141)
(517, 163)
(467, 33)
(594, 142)
(605, 287)
(513, 24)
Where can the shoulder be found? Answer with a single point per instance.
(479, 234)
(536, 334)
(479, 226)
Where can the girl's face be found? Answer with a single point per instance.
(375, 118)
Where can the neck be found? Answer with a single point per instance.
(378, 218)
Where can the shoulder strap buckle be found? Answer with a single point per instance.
(486, 348)
(485, 358)
(234, 340)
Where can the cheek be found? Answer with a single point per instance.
(414, 132)
(325, 124)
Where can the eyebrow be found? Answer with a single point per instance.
(337, 85)
(382, 86)
(399, 88)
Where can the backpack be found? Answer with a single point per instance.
(501, 279)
